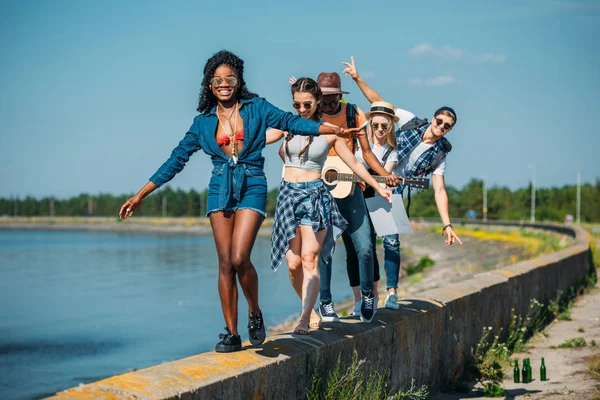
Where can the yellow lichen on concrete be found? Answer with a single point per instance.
(80, 393)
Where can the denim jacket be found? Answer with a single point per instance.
(257, 115)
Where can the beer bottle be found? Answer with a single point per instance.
(516, 372)
(543, 371)
(529, 371)
(525, 372)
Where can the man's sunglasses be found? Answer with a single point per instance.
(446, 126)
(376, 126)
(307, 105)
(229, 80)
(332, 104)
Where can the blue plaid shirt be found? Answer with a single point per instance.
(322, 217)
(408, 140)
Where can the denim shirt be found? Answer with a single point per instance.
(257, 115)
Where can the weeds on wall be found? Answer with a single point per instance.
(351, 382)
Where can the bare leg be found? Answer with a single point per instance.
(310, 252)
(295, 270)
(294, 262)
(247, 223)
(222, 225)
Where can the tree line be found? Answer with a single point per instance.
(552, 204)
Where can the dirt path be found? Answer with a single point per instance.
(568, 373)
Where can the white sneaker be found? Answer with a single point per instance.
(356, 312)
(391, 301)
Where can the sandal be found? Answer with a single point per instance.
(302, 328)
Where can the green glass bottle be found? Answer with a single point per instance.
(529, 371)
(543, 371)
(516, 372)
(524, 374)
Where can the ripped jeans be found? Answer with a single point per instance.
(391, 251)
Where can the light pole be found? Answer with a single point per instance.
(578, 196)
(532, 219)
(485, 210)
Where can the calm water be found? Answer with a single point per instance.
(76, 307)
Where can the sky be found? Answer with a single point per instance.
(95, 95)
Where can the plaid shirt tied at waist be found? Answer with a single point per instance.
(321, 215)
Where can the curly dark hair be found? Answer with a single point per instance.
(207, 99)
(308, 85)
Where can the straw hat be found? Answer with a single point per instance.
(382, 107)
(330, 83)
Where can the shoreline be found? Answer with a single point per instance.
(175, 225)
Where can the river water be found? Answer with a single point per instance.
(77, 307)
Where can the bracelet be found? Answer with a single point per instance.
(444, 228)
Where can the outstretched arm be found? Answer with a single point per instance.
(369, 93)
(274, 135)
(341, 148)
(441, 201)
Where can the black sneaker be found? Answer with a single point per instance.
(327, 312)
(229, 342)
(366, 307)
(256, 329)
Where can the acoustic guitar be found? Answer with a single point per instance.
(340, 179)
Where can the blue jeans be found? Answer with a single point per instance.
(358, 234)
(391, 251)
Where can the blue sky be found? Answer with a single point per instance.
(94, 95)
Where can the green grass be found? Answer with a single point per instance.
(571, 343)
(424, 263)
(352, 382)
(581, 330)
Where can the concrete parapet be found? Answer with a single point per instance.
(428, 339)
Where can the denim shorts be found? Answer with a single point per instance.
(253, 193)
(304, 209)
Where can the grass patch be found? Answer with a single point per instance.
(562, 305)
(352, 382)
(570, 343)
(595, 365)
(424, 263)
(581, 330)
(593, 343)
(414, 279)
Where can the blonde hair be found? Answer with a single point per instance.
(391, 134)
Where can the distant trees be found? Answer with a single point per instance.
(552, 204)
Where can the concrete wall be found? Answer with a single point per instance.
(428, 339)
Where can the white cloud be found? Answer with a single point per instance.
(449, 53)
(445, 52)
(368, 74)
(489, 58)
(434, 81)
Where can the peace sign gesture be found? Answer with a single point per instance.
(351, 68)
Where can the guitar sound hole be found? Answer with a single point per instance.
(331, 176)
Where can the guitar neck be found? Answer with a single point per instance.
(415, 183)
(355, 178)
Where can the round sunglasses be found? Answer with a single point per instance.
(446, 126)
(229, 80)
(307, 105)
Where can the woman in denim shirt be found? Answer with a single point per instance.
(231, 129)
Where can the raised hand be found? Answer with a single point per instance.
(351, 68)
(293, 80)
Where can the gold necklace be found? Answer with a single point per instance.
(232, 131)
